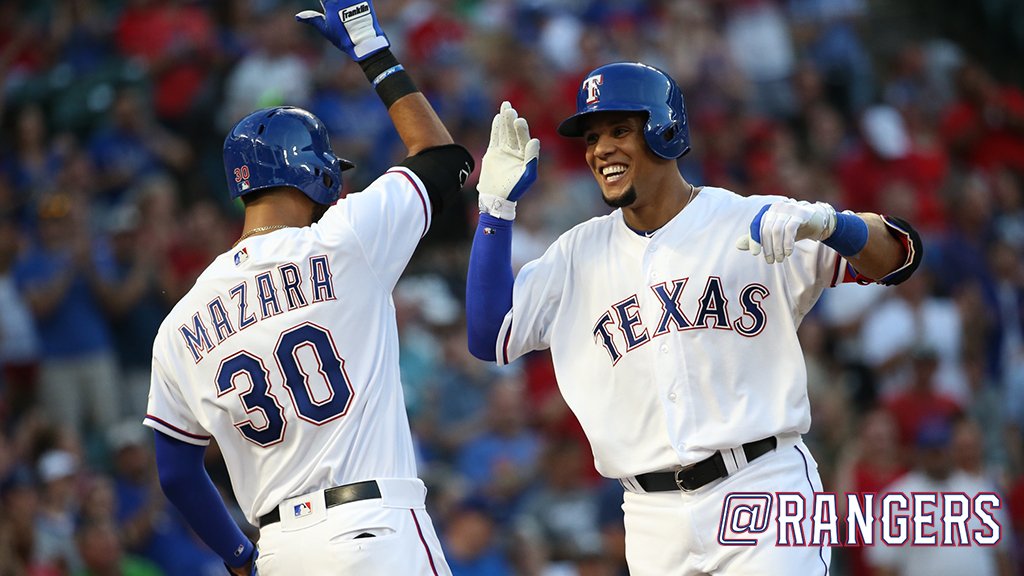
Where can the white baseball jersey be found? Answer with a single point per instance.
(286, 351)
(671, 347)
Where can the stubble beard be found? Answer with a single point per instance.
(625, 199)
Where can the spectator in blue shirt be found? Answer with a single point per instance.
(64, 280)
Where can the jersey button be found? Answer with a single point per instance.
(672, 396)
(664, 349)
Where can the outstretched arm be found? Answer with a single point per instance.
(509, 168)
(880, 248)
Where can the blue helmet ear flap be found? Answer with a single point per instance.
(283, 146)
(635, 87)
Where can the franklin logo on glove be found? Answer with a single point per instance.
(355, 11)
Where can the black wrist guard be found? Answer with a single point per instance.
(388, 77)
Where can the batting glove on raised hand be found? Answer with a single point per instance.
(509, 165)
(350, 25)
(780, 225)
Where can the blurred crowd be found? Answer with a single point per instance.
(112, 201)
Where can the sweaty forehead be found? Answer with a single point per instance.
(607, 118)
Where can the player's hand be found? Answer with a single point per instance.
(509, 165)
(351, 25)
(780, 225)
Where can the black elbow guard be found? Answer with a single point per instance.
(443, 170)
(902, 231)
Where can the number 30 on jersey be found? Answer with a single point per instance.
(294, 345)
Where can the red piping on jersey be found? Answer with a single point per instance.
(424, 541)
(426, 217)
(176, 429)
(835, 271)
(504, 345)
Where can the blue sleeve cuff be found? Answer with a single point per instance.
(488, 285)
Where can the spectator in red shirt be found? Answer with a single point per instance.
(175, 40)
(867, 465)
(921, 403)
(985, 126)
(887, 173)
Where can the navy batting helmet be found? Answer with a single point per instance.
(635, 87)
(283, 146)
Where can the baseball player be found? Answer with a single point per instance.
(286, 349)
(677, 352)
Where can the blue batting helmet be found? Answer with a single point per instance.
(283, 146)
(635, 87)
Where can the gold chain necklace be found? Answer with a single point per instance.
(258, 230)
(693, 190)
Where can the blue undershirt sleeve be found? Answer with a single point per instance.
(188, 486)
(488, 285)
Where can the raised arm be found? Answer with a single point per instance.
(509, 168)
(352, 26)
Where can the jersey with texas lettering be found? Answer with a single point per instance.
(670, 347)
(286, 351)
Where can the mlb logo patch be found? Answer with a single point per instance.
(241, 256)
(303, 509)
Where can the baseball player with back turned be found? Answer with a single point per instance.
(677, 352)
(286, 349)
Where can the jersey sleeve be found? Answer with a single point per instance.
(814, 267)
(388, 218)
(168, 411)
(536, 295)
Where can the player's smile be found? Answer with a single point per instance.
(614, 172)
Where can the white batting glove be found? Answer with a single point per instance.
(780, 225)
(509, 165)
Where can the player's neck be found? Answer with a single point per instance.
(667, 197)
(276, 210)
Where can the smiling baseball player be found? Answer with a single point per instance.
(286, 349)
(677, 352)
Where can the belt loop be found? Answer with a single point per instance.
(632, 484)
(732, 465)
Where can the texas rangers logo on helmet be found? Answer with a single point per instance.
(591, 85)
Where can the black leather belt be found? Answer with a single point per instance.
(335, 497)
(702, 473)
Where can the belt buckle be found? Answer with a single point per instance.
(679, 481)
